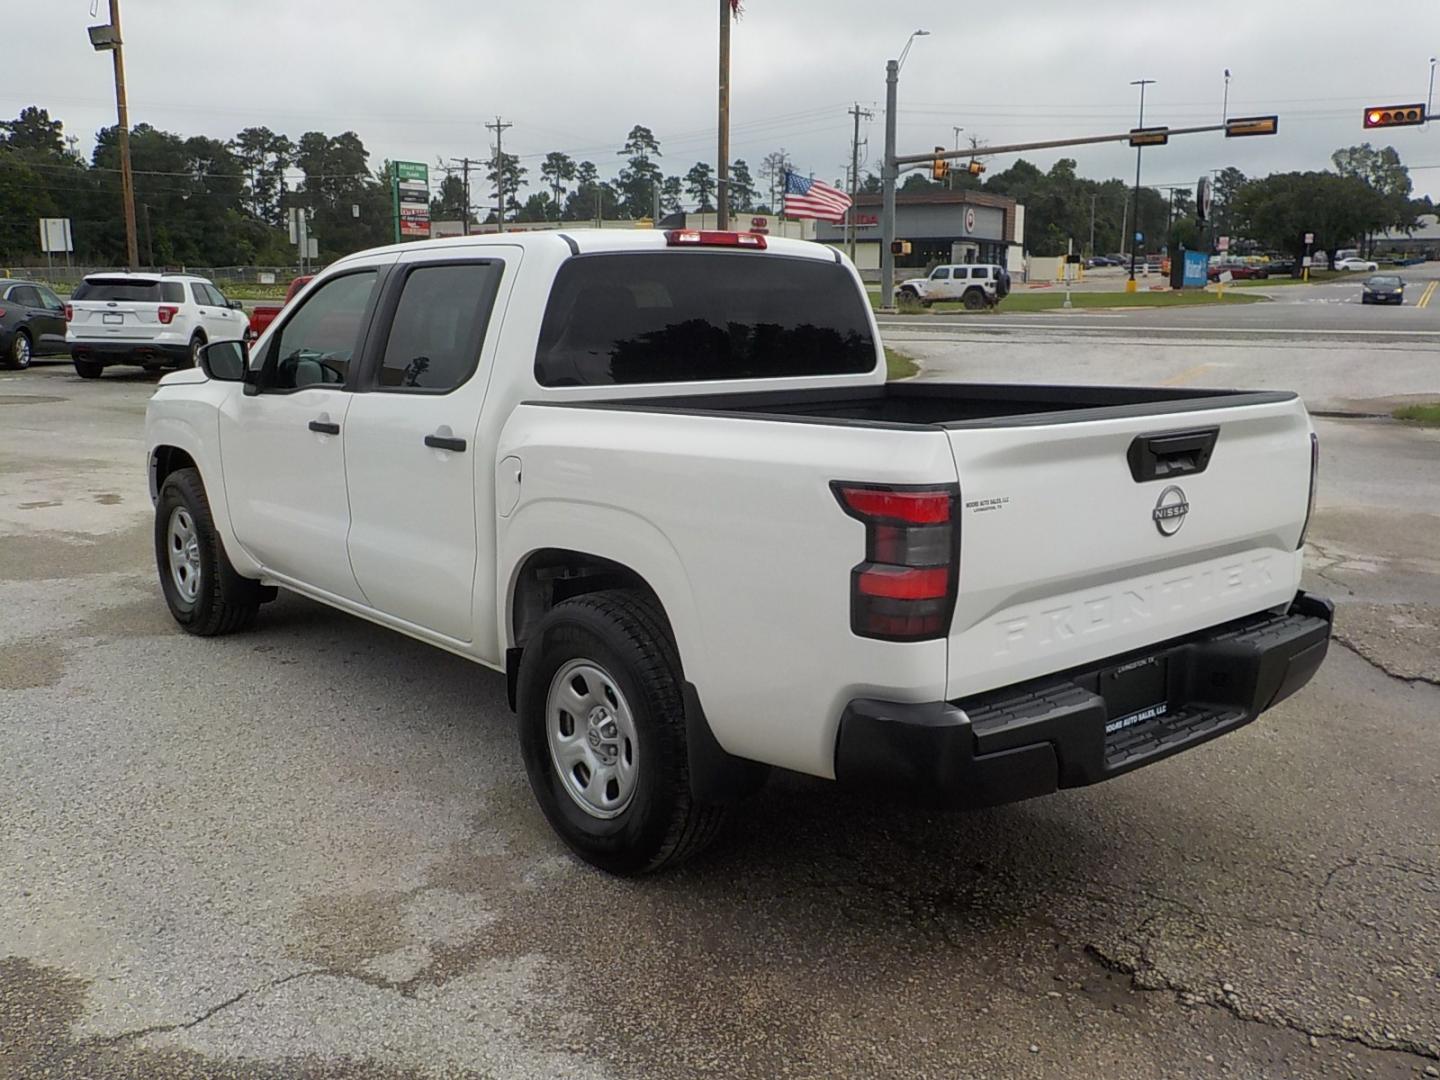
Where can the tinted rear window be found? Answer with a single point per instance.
(681, 316)
(135, 291)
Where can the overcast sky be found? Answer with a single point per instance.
(417, 79)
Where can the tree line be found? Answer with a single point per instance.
(206, 202)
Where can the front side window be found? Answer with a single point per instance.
(439, 326)
(217, 298)
(316, 345)
(941, 273)
(700, 316)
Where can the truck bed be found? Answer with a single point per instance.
(946, 405)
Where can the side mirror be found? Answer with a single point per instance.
(235, 305)
(225, 361)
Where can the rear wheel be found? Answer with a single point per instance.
(602, 732)
(197, 342)
(88, 369)
(974, 299)
(18, 355)
(204, 593)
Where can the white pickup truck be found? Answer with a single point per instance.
(660, 481)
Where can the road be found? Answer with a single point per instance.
(1340, 355)
(310, 850)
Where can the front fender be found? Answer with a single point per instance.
(193, 425)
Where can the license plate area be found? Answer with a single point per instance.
(1135, 692)
(112, 318)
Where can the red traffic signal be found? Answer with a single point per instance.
(1379, 116)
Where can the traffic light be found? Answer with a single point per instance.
(899, 247)
(1378, 116)
(1157, 136)
(975, 168)
(939, 168)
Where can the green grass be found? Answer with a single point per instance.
(1316, 277)
(1428, 415)
(1053, 299)
(898, 365)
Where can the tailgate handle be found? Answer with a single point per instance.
(1171, 453)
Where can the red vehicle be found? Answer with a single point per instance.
(264, 314)
(1239, 271)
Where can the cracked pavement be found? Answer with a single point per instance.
(310, 851)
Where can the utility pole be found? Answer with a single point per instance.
(722, 171)
(112, 41)
(1130, 285)
(889, 173)
(950, 177)
(1093, 196)
(465, 183)
(499, 127)
(859, 114)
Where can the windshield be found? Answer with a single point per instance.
(682, 316)
(1383, 281)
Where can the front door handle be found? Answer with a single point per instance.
(445, 442)
(324, 427)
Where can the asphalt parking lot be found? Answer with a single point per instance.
(310, 850)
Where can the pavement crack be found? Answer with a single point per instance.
(1380, 666)
(1146, 978)
(195, 1021)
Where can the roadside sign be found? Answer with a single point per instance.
(1226, 277)
(1251, 125)
(55, 236)
(1309, 238)
(410, 185)
(1307, 261)
(1196, 269)
(1139, 238)
(1156, 136)
(1222, 243)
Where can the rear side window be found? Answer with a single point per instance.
(439, 326)
(172, 292)
(961, 273)
(112, 289)
(691, 316)
(200, 293)
(980, 273)
(25, 294)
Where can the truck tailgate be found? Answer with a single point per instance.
(1066, 557)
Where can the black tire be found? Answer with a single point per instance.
(21, 350)
(224, 601)
(909, 295)
(197, 342)
(88, 369)
(974, 299)
(623, 634)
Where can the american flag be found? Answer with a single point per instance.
(810, 198)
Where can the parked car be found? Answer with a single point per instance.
(1280, 266)
(659, 479)
(151, 320)
(32, 323)
(1239, 269)
(262, 315)
(1383, 289)
(1101, 261)
(1354, 263)
(976, 285)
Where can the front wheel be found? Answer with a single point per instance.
(602, 732)
(196, 344)
(204, 593)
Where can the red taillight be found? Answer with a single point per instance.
(2, 312)
(166, 313)
(713, 238)
(905, 588)
(69, 313)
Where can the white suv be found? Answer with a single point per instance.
(151, 320)
(976, 285)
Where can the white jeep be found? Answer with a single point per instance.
(976, 285)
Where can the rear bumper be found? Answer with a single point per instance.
(130, 352)
(1051, 733)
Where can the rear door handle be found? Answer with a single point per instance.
(445, 442)
(325, 427)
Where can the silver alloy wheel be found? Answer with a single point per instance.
(20, 351)
(591, 733)
(183, 544)
(196, 344)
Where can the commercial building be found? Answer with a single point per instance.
(941, 226)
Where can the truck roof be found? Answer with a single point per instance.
(588, 241)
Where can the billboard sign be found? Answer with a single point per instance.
(1197, 269)
(55, 236)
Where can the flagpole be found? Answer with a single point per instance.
(722, 170)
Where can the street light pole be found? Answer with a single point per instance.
(1430, 93)
(1225, 102)
(889, 171)
(1130, 285)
